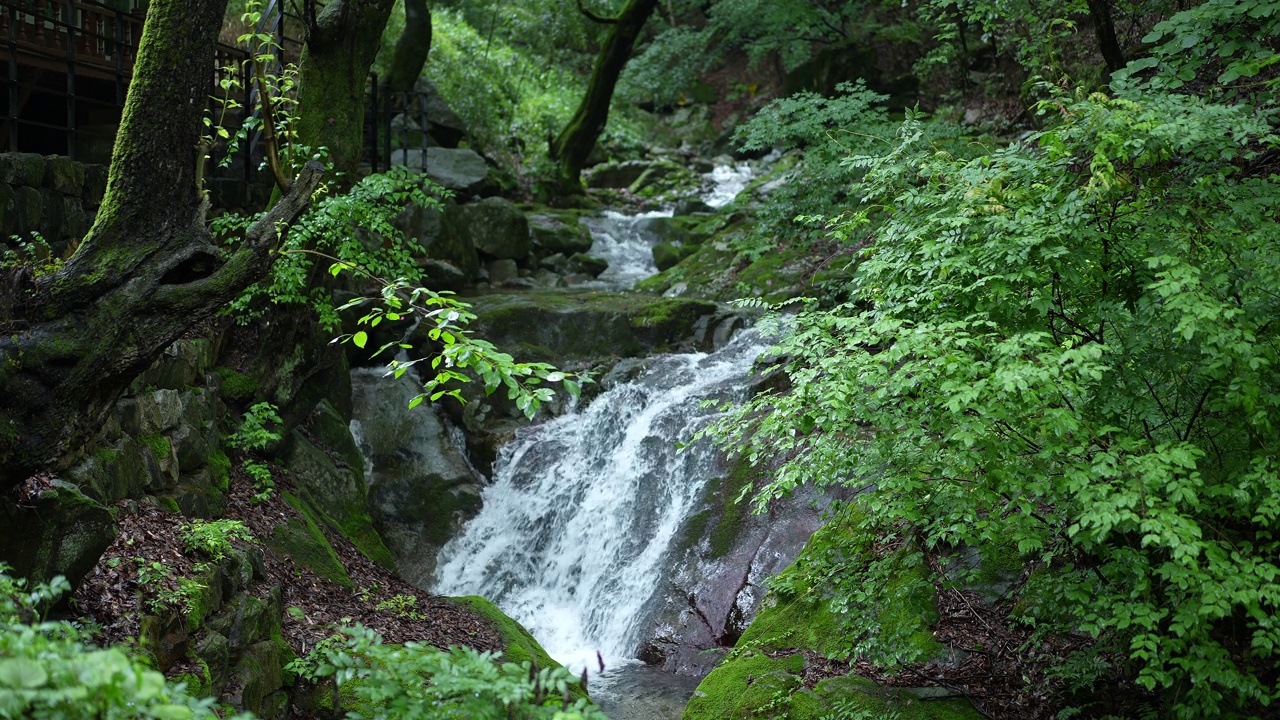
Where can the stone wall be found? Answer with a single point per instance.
(52, 195)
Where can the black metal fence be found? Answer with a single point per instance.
(397, 125)
(66, 67)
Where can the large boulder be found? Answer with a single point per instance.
(617, 175)
(443, 124)
(797, 628)
(493, 226)
(724, 555)
(54, 530)
(559, 234)
(463, 171)
(566, 326)
(421, 487)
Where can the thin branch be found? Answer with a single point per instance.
(594, 17)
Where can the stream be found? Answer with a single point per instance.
(575, 536)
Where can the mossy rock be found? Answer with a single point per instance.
(336, 492)
(520, 644)
(304, 544)
(587, 325)
(63, 532)
(762, 677)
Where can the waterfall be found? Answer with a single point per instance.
(576, 529)
(623, 241)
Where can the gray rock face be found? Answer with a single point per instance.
(456, 169)
(421, 487)
(716, 591)
(559, 234)
(443, 124)
(497, 228)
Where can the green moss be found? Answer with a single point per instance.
(751, 684)
(236, 385)
(159, 445)
(220, 465)
(106, 456)
(520, 645)
(744, 686)
(197, 598)
(168, 504)
(305, 545)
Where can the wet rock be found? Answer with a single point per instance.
(587, 264)
(457, 169)
(559, 234)
(493, 226)
(617, 175)
(421, 487)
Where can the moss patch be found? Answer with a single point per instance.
(304, 544)
(521, 646)
(220, 465)
(159, 445)
(762, 677)
(236, 385)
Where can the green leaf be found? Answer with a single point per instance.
(24, 673)
(360, 339)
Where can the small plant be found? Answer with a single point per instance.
(263, 482)
(34, 253)
(214, 538)
(162, 590)
(255, 431)
(368, 593)
(402, 606)
(463, 682)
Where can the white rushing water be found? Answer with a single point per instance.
(726, 182)
(584, 509)
(626, 244)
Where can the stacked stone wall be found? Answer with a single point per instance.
(49, 195)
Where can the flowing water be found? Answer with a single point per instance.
(575, 536)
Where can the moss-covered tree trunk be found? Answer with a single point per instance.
(412, 48)
(1105, 29)
(569, 149)
(340, 47)
(148, 270)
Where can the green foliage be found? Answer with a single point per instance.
(447, 318)
(355, 227)
(1067, 345)
(255, 431)
(49, 672)
(33, 252)
(1233, 37)
(162, 591)
(214, 538)
(402, 606)
(415, 681)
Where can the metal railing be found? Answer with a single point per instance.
(77, 54)
(397, 128)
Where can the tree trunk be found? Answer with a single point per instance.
(569, 150)
(412, 48)
(148, 270)
(1106, 32)
(340, 47)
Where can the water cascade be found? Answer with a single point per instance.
(583, 509)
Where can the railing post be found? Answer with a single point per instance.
(68, 23)
(373, 122)
(13, 78)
